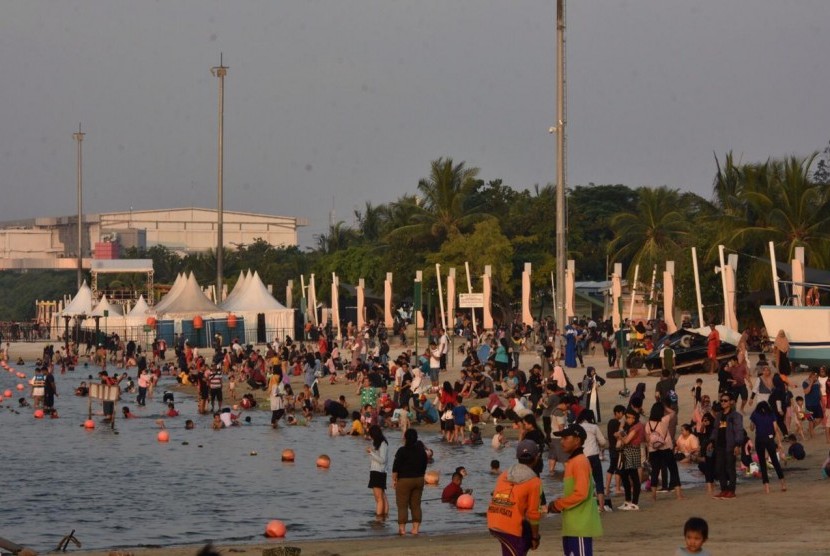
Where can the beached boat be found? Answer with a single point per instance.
(807, 329)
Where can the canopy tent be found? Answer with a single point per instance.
(178, 284)
(105, 308)
(81, 304)
(254, 300)
(240, 285)
(141, 308)
(189, 300)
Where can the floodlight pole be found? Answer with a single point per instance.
(79, 137)
(561, 170)
(220, 71)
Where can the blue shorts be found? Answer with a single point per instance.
(578, 546)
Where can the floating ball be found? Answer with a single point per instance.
(275, 529)
(163, 436)
(21, 375)
(8, 393)
(431, 477)
(38, 414)
(465, 502)
(89, 424)
(287, 455)
(323, 462)
(20, 387)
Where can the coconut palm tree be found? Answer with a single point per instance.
(783, 205)
(654, 230)
(446, 206)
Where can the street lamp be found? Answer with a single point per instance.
(220, 71)
(79, 137)
(561, 170)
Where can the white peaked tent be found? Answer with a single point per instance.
(138, 315)
(190, 300)
(112, 310)
(238, 287)
(178, 284)
(81, 304)
(141, 309)
(254, 300)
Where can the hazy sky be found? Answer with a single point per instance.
(339, 102)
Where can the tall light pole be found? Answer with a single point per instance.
(561, 169)
(79, 137)
(220, 71)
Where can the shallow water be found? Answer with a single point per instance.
(123, 488)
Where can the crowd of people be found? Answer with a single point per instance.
(644, 443)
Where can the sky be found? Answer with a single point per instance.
(330, 104)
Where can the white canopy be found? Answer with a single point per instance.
(254, 300)
(81, 304)
(254, 297)
(141, 308)
(104, 305)
(190, 300)
(178, 284)
(238, 287)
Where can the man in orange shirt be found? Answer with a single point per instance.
(513, 515)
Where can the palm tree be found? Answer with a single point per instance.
(654, 230)
(446, 206)
(339, 237)
(783, 205)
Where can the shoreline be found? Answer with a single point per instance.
(746, 524)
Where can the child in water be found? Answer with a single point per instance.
(498, 439)
(335, 429)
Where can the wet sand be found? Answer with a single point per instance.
(779, 523)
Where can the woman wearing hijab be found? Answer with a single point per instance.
(589, 387)
(781, 353)
(636, 400)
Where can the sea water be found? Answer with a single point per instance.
(123, 488)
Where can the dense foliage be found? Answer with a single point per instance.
(454, 216)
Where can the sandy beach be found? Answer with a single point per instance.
(777, 523)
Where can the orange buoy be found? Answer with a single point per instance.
(163, 436)
(38, 414)
(465, 502)
(89, 424)
(288, 455)
(20, 387)
(21, 375)
(275, 529)
(323, 462)
(431, 477)
(8, 393)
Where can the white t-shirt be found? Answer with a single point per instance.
(443, 344)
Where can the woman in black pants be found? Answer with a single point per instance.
(763, 422)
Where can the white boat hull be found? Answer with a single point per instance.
(807, 329)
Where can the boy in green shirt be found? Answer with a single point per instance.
(580, 516)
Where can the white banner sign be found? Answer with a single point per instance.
(470, 300)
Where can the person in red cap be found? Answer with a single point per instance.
(513, 515)
(580, 518)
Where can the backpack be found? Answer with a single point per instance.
(656, 441)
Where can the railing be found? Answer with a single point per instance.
(23, 332)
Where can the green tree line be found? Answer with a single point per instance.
(454, 216)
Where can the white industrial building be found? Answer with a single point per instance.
(183, 230)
